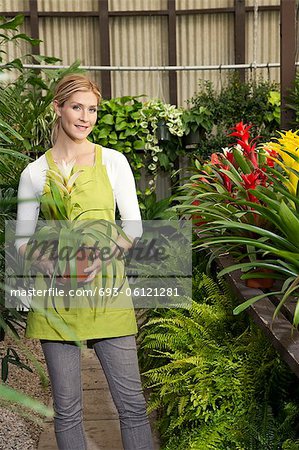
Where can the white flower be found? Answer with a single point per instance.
(67, 180)
(65, 168)
(239, 148)
(155, 158)
(226, 150)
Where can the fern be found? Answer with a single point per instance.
(213, 376)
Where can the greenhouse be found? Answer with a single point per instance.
(150, 225)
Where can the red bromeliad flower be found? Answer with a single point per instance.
(226, 180)
(272, 156)
(197, 217)
(242, 158)
(252, 180)
(243, 135)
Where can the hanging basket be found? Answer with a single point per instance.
(162, 132)
(193, 138)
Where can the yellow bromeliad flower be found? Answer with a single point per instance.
(286, 146)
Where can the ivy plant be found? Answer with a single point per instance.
(119, 126)
(130, 126)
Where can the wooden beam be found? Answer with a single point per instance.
(239, 35)
(104, 47)
(172, 52)
(34, 30)
(153, 12)
(279, 331)
(287, 58)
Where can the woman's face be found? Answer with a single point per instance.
(78, 115)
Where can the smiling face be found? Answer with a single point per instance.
(77, 115)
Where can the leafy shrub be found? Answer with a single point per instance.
(256, 102)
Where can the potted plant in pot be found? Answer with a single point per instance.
(164, 128)
(197, 121)
(69, 242)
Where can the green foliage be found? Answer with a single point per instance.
(197, 119)
(213, 376)
(255, 102)
(293, 100)
(119, 127)
(11, 357)
(132, 127)
(153, 209)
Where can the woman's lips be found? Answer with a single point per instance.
(81, 127)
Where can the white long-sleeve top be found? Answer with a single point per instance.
(33, 179)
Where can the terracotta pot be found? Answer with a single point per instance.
(84, 258)
(260, 283)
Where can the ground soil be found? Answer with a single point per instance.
(20, 428)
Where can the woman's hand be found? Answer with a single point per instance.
(93, 269)
(38, 261)
(117, 251)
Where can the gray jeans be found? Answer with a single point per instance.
(118, 357)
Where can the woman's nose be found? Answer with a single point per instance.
(84, 115)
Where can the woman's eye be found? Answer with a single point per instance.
(93, 110)
(76, 107)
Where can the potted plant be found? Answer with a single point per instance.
(226, 177)
(164, 129)
(69, 242)
(197, 121)
(228, 188)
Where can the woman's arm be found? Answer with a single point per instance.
(28, 210)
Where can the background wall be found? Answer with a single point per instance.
(205, 37)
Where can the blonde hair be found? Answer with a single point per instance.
(67, 86)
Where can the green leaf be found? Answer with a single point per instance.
(26, 38)
(163, 160)
(108, 119)
(120, 125)
(11, 395)
(251, 301)
(241, 161)
(296, 315)
(290, 223)
(13, 24)
(138, 145)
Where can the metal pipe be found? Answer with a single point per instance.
(220, 67)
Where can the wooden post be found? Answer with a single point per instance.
(172, 52)
(34, 31)
(239, 35)
(104, 48)
(287, 58)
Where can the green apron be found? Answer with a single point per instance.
(89, 317)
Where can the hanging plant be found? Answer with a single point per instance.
(164, 127)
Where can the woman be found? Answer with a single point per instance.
(111, 332)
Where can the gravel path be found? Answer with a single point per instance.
(20, 428)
